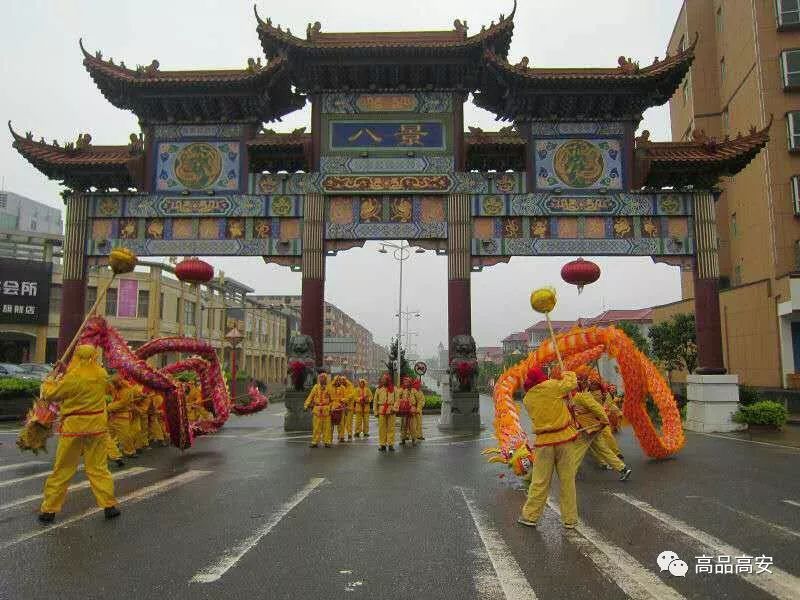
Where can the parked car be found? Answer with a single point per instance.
(37, 370)
(9, 370)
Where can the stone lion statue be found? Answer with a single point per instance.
(463, 363)
(301, 350)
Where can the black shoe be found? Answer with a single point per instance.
(313, 445)
(119, 462)
(391, 448)
(402, 442)
(366, 435)
(111, 512)
(47, 517)
(619, 456)
(382, 449)
(327, 445)
(420, 438)
(625, 474)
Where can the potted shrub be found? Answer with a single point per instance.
(764, 414)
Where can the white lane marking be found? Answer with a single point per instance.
(78, 486)
(633, 578)
(10, 431)
(792, 502)
(512, 580)
(741, 513)
(141, 494)
(38, 475)
(735, 439)
(233, 555)
(779, 583)
(23, 464)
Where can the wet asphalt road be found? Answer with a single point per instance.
(254, 513)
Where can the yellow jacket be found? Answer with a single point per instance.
(589, 412)
(120, 406)
(362, 398)
(552, 421)
(320, 398)
(81, 392)
(418, 401)
(384, 401)
(342, 394)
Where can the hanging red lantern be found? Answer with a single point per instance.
(580, 272)
(194, 270)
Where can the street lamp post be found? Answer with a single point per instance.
(401, 253)
(234, 337)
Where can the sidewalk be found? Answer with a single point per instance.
(788, 436)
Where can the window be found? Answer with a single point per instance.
(790, 65)
(143, 308)
(788, 13)
(91, 297)
(111, 302)
(796, 194)
(793, 122)
(161, 305)
(718, 20)
(189, 313)
(726, 121)
(55, 299)
(722, 69)
(734, 228)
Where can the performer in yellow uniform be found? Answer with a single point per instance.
(592, 420)
(194, 405)
(81, 394)
(119, 415)
(319, 400)
(340, 392)
(555, 446)
(614, 415)
(419, 405)
(405, 407)
(384, 401)
(140, 413)
(363, 401)
(156, 427)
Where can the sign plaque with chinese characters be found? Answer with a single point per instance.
(24, 291)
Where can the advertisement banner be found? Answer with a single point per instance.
(24, 291)
(127, 298)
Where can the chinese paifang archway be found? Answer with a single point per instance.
(387, 157)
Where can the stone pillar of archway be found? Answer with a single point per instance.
(312, 319)
(710, 359)
(73, 299)
(459, 266)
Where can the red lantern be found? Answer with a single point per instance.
(194, 270)
(580, 272)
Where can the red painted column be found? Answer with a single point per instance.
(459, 266)
(73, 299)
(312, 312)
(710, 360)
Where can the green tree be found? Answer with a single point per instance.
(632, 331)
(488, 371)
(405, 368)
(675, 344)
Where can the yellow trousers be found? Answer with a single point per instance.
(610, 440)
(417, 429)
(68, 455)
(340, 428)
(598, 448)
(407, 430)
(562, 459)
(386, 430)
(321, 429)
(112, 450)
(347, 417)
(143, 437)
(156, 426)
(120, 430)
(362, 422)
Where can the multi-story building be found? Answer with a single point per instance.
(367, 357)
(493, 354)
(18, 213)
(747, 72)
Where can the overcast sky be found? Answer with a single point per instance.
(47, 90)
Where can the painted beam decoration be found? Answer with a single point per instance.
(163, 225)
(614, 224)
(197, 166)
(393, 135)
(386, 217)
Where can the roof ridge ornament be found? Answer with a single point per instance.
(460, 26)
(314, 30)
(628, 65)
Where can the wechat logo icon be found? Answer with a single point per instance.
(669, 561)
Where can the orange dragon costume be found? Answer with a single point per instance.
(80, 394)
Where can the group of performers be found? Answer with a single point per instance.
(102, 418)
(338, 403)
(571, 416)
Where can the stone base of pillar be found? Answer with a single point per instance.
(460, 410)
(712, 401)
(296, 419)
